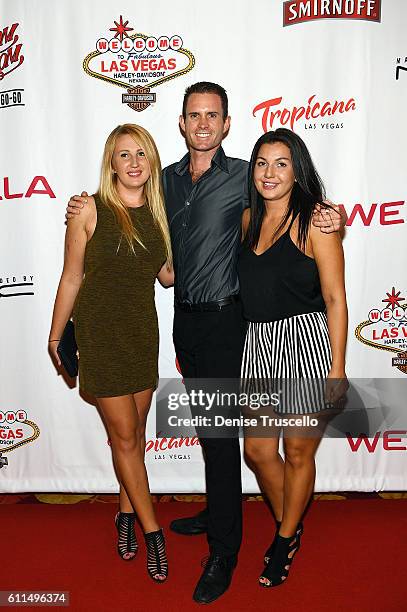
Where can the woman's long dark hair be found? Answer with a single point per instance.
(308, 188)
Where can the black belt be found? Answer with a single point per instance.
(208, 306)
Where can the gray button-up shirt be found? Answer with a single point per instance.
(205, 220)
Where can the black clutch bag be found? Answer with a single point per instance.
(67, 349)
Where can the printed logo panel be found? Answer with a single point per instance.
(137, 62)
(11, 58)
(301, 11)
(16, 285)
(401, 68)
(16, 430)
(386, 328)
(275, 113)
(38, 185)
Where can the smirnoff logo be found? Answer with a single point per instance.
(300, 11)
(275, 112)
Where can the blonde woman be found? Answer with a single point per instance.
(114, 251)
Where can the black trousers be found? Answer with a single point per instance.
(210, 345)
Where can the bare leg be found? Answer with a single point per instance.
(124, 502)
(264, 459)
(126, 434)
(299, 478)
(143, 402)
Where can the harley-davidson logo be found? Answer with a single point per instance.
(386, 329)
(139, 98)
(138, 62)
(15, 431)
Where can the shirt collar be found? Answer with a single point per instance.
(219, 159)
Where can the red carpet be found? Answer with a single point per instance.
(353, 557)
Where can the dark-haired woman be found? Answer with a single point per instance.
(293, 294)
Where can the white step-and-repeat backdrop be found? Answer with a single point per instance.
(335, 71)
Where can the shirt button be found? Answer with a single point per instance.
(187, 203)
(184, 225)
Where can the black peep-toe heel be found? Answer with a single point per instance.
(276, 571)
(157, 564)
(269, 552)
(127, 546)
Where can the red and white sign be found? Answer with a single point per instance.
(300, 11)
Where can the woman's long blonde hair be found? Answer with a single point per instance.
(153, 190)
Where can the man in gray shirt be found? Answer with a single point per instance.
(206, 193)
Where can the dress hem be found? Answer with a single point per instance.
(130, 391)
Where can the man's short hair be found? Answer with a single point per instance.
(206, 87)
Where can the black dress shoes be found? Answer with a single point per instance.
(215, 579)
(191, 525)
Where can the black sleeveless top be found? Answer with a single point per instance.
(281, 282)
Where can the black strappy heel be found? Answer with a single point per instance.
(276, 572)
(269, 552)
(157, 564)
(127, 546)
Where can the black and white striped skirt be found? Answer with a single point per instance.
(291, 357)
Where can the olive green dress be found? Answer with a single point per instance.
(115, 318)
